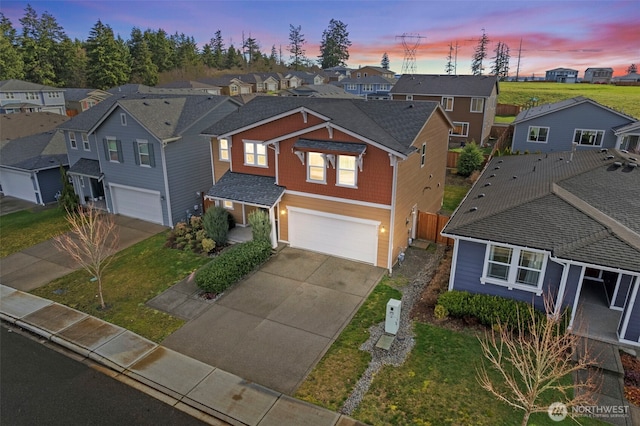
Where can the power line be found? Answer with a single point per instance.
(410, 42)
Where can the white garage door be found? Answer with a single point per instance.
(17, 184)
(137, 203)
(341, 236)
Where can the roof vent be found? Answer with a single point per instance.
(617, 164)
(496, 168)
(604, 150)
(632, 165)
(145, 103)
(632, 159)
(492, 175)
(487, 184)
(514, 177)
(481, 195)
(610, 157)
(539, 159)
(167, 123)
(499, 161)
(167, 102)
(560, 158)
(473, 209)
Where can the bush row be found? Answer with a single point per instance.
(489, 310)
(231, 265)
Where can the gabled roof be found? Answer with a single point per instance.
(371, 79)
(187, 84)
(601, 69)
(321, 90)
(550, 202)
(226, 80)
(20, 85)
(545, 109)
(36, 152)
(394, 125)
(562, 69)
(443, 85)
(18, 125)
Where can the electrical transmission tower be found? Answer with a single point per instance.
(410, 42)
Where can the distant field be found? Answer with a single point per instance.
(622, 98)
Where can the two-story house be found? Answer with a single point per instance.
(230, 85)
(598, 75)
(562, 75)
(23, 96)
(579, 123)
(369, 71)
(469, 101)
(340, 176)
(142, 155)
(558, 226)
(370, 87)
(79, 100)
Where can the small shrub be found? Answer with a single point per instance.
(232, 265)
(216, 223)
(440, 312)
(208, 245)
(260, 226)
(470, 159)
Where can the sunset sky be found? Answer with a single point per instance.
(565, 33)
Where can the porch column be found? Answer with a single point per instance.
(272, 219)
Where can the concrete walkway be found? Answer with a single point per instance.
(40, 264)
(209, 393)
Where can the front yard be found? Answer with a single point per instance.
(26, 228)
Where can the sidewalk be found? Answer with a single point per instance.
(213, 395)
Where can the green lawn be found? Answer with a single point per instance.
(453, 195)
(621, 98)
(29, 227)
(138, 274)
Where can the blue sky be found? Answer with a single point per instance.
(567, 33)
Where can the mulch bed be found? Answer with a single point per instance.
(631, 366)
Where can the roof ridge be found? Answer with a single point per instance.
(581, 242)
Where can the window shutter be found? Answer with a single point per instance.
(105, 144)
(152, 158)
(136, 152)
(119, 145)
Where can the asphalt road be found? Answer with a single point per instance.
(39, 386)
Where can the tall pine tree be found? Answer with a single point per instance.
(384, 63)
(479, 54)
(11, 62)
(143, 70)
(39, 46)
(107, 58)
(296, 47)
(334, 47)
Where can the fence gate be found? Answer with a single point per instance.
(429, 227)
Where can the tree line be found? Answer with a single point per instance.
(43, 53)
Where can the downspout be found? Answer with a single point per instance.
(394, 164)
(454, 263)
(167, 200)
(561, 289)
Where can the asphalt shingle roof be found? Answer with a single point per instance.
(452, 85)
(86, 167)
(17, 85)
(514, 201)
(35, 152)
(245, 188)
(392, 124)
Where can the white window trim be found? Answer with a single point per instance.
(227, 150)
(109, 151)
(143, 142)
(444, 102)
(409, 97)
(226, 204)
(465, 125)
(423, 154)
(513, 269)
(324, 169)
(538, 133)
(355, 172)
(481, 110)
(255, 154)
(72, 140)
(85, 142)
(575, 131)
(123, 119)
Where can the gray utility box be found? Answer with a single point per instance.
(392, 322)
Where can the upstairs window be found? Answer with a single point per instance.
(588, 137)
(123, 119)
(144, 153)
(447, 103)
(477, 104)
(423, 154)
(538, 134)
(347, 171)
(85, 142)
(113, 149)
(31, 96)
(72, 140)
(224, 150)
(367, 87)
(316, 169)
(255, 154)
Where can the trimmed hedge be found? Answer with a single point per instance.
(231, 265)
(489, 310)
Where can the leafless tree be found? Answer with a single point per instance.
(534, 359)
(91, 242)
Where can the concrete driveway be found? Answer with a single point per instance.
(40, 264)
(273, 327)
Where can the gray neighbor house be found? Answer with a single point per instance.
(142, 154)
(558, 225)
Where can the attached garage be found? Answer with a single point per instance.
(336, 235)
(139, 203)
(18, 184)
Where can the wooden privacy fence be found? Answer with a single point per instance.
(452, 159)
(507, 109)
(429, 227)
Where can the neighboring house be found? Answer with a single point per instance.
(628, 78)
(628, 137)
(142, 155)
(370, 71)
(30, 167)
(19, 125)
(318, 91)
(469, 100)
(536, 225)
(193, 85)
(336, 73)
(562, 75)
(306, 78)
(79, 100)
(23, 96)
(598, 75)
(345, 177)
(558, 126)
(230, 85)
(370, 87)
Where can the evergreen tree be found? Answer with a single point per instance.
(273, 58)
(384, 63)
(233, 59)
(296, 46)
(449, 68)
(334, 47)
(632, 69)
(250, 51)
(186, 51)
(68, 200)
(107, 58)
(206, 56)
(500, 64)
(11, 62)
(218, 50)
(71, 64)
(480, 54)
(39, 42)
(143, 70)
(161, 49)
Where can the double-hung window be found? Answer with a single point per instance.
(316, 168)
(144, 152)
(72, 140)
(538, 134)
(113, 148)
(477, 104)
(514, 267)
(423, 154)
(588, 137)
(224, 150)
(367, 87)
(347, 171)
(447, 103)
(85, 142)
(460, 129)
(255, 154)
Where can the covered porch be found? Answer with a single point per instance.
(88, 183)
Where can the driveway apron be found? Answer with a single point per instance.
(274, 326)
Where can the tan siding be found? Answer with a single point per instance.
(219, 167)
(344, 209)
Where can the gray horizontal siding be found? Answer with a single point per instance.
(78, 153)
(562, 125)
(50, 183)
